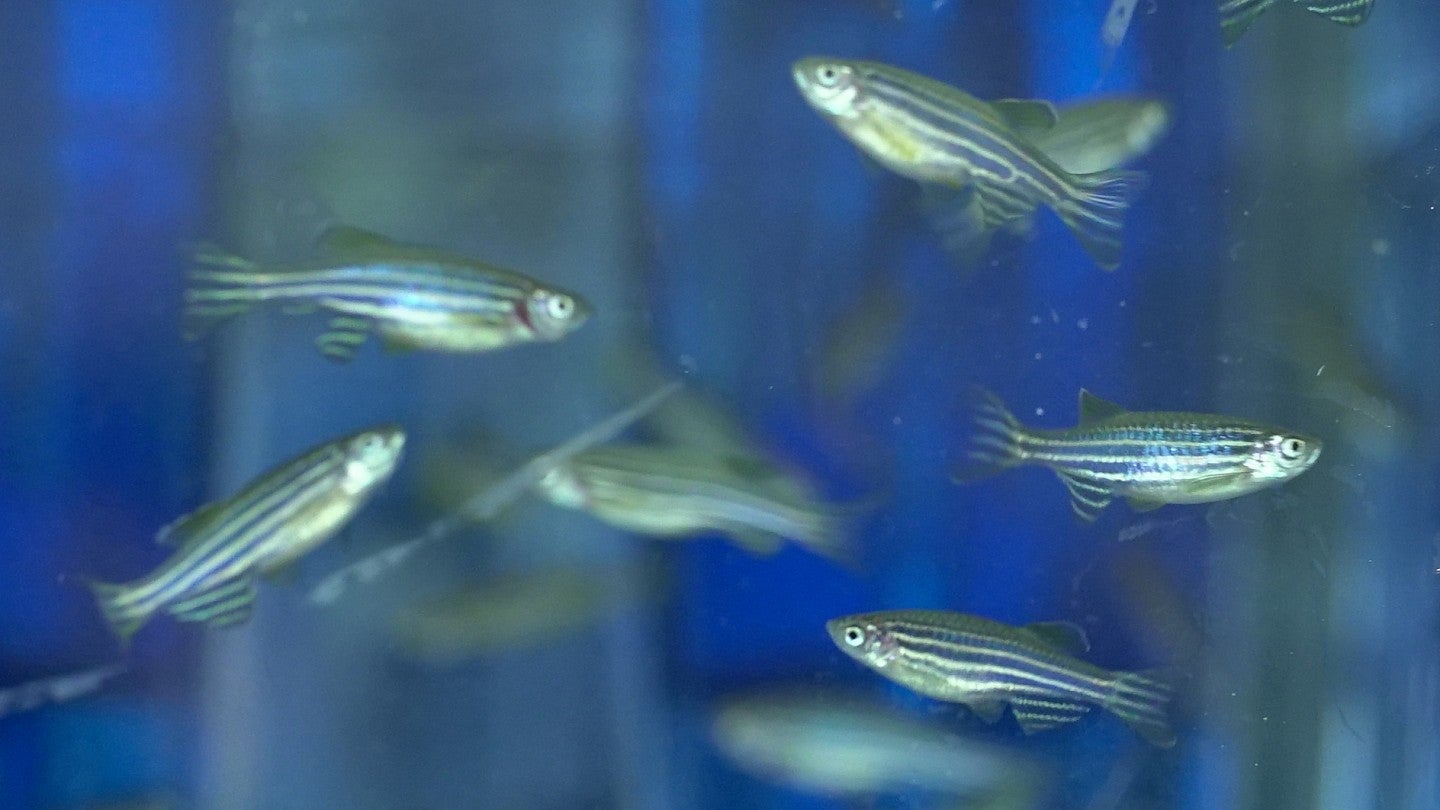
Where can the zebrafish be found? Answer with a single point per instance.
(413, 297)
(845, 746)
(34, 694)
(1237, 15)
(937, 134)
(985, 664)
(1148, 458)
(671, 491)
(272, 522)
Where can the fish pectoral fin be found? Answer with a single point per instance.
(343, 339)
(1144, 504)
(1094, 409)
(955, 217)
(222, 605)
(399, 344)
(755, 541)
(1027, 117)
(1066, 637)
(987, 709)
(1041, 713)
(1087, 500)
(348, 241)
(181, 531)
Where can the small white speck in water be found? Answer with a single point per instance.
(1083, 324)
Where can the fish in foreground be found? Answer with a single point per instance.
(487, 503)
(34, 694)
(1148, 458)
(845, 746)
(1237, 15)
(934, 133)
(1104, 133)
(414, 298)
(221, 548)
(672, 491)
(985, 664)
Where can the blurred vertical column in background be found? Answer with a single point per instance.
(106, 165)
(1323, 619)
(497, 130)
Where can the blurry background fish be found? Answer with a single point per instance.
(34, 694)
(844, 745)
(520, 610)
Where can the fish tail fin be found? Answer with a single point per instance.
(1141, 700)
(995, 445)
(124, 619)
(1236, 16)
(1096, 211)
(1345, 12)
(220, 286)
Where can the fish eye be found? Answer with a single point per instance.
(828, 75)
(560, 307)
(854, 636)
(1292, 447)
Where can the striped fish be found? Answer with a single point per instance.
(281, 516)
(1149, 458)
(673, 491)
(985, 664)
(934, 133)
(1237, 15)
(413, 297)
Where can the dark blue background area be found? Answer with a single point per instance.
(758, 227)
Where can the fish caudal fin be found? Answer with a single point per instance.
(995, 445)
(1345, 12)
(1236, 16)
(1096, 212)
(1141, 700)
(220, 286)
(124, 619)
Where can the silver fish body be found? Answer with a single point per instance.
(985, 664)
(1237, 15)
(934, 133)
(1149, 458)
(845, 746)
(223, 547)
(671, 491)
(413, 298)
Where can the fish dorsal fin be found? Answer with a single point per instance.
(347, 240)
(1066, 637)
(1028, 118)
(181, 531)
(1041, 713)
(1094, 409)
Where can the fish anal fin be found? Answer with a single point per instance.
(1144, 504)
(1346, 13)
(224, 604)
(1094, 409)
(1042, 713)
(1001, 204)
(987, 709)
(343, 338)
(1066, 637)
(1087, 499)
(1027, 117)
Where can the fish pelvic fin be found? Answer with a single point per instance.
(996, 444)
(1096, 211)
(124, 619)
(1141, 699)
(220, 286)
(1236, 16)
